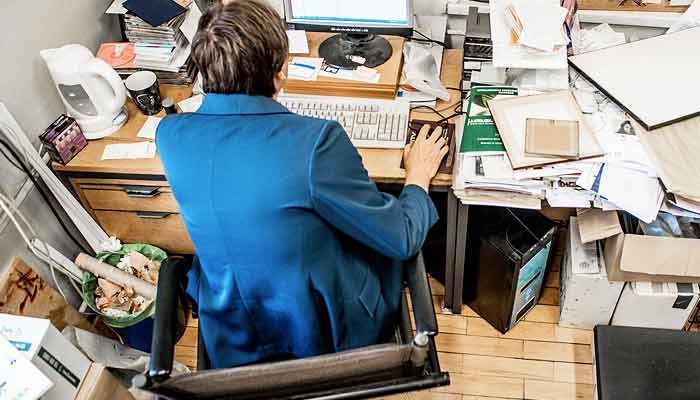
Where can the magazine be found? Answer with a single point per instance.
(480, 132)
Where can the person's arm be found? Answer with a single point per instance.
(344, 195)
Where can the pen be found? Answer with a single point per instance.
(303, 65)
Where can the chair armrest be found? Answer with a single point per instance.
(172, 274)
(421, 296)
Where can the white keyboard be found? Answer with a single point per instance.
(370, 123)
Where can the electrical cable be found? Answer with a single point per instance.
(427, 39)
(44, 196)
(92, 233)
(9, 207)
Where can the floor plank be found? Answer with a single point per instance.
(552, 279)
(448, 323)
(482, 385)
(452, 362)
(544, 390)
(186, 355)
(423, 395)
(573, 373)
(508, 367)
(550, 296)
(480, 345)
(543, 313)
(550, 351)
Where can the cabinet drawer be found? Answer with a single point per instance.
(164, 230)
(129, 198)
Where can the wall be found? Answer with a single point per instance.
(27, 90)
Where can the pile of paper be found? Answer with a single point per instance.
(163, 49)
(596, 38)
(627, 177)
(528, 34)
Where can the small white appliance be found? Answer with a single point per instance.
(90, 88)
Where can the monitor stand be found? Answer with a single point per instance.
(348, 50)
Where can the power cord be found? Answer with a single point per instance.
(23, 167)
(427, 39)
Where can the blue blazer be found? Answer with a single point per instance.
(298, 251)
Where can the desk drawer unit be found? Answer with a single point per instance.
(130, 198)
(135, 211)
(162, 229)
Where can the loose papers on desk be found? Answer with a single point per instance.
(509, 52)
(596, 38)
(191, 104)
(633, 191)
(298, 44)
(148, 130)
(305, 68)
(127, 151)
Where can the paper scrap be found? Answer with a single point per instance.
(507, 54)
(117, 7)
(596, 224)
(148, 130)
(298, 44)
(127, 151)
(191, 104)
(588, 256)
(368, 76)
(305, 68)
(191, 22)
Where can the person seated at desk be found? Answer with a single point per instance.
(298, 252)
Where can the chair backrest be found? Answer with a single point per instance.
(286, 379)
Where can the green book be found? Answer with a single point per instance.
(480, 132)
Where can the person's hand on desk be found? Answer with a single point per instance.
(422, 157)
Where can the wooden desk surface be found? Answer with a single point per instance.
(382, 165)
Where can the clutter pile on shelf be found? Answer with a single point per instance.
(158, 41)
(587, 130)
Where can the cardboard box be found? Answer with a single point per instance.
(586, 300)
(19, 378)
(42, 344)
(100, 384)
(656, 305)
(632, 258)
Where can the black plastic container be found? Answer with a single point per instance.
(508, 251)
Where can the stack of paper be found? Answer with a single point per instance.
(537, 24)
(163, 49)
(528, 34)
(149, 55)
(305, 68)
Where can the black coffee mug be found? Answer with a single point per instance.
(144, 90)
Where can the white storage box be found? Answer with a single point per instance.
(656, 305)
(56, 357)
(586, 299)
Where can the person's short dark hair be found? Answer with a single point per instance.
(240, 47)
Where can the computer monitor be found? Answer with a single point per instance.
(359, 24)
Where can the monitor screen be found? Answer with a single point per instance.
(372, 13)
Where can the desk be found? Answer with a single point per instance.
(132, 200)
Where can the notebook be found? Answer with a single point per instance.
(155, 12)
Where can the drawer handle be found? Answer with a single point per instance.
(152, 214)
(144, 192)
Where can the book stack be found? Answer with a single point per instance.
(163, 49)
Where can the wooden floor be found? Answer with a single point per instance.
(537, 359)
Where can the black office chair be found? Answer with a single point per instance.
(407, 363)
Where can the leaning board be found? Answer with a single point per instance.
(656, 80)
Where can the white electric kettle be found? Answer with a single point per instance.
(91, 90)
